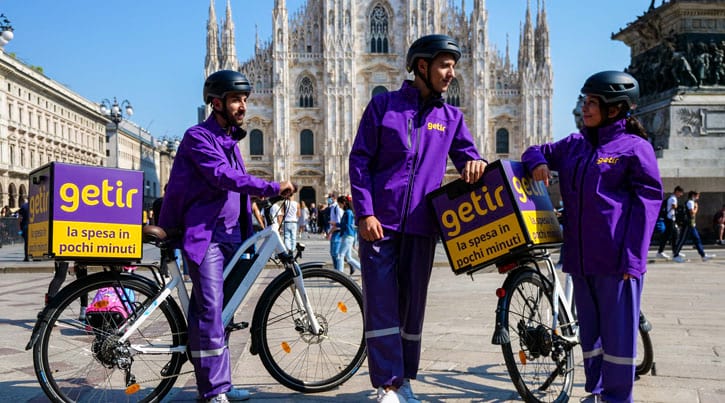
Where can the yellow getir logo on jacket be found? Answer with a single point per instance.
(607, 160)
(436, 126)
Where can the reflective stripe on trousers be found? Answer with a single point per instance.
(608, 312)
(395, 273)
(207, 338)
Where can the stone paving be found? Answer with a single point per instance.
(684, 302)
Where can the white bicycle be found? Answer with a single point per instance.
(536, 327)
(307, 326)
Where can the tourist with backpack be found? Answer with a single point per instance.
(689, 229)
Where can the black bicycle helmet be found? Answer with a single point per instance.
(613, 87)
(429, 46)
(218, 84)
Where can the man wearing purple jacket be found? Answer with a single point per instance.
(207, 201)
(399, 156)
(611, 187)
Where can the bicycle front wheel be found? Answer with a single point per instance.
(540, 363)
(282, 335)
(82, 360)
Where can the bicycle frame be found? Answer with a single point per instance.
(271, 244)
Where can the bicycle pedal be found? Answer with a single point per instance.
(237, 326)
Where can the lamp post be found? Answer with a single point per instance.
(115, 112)
(6, 31)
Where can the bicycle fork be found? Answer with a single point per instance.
(301, 299)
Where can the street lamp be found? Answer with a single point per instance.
(6, 30)
(115, 111)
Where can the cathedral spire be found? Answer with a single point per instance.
(256, 38)
(229, 52)
(507, 64)
(211, 63)
(543, 52)
(526, 47)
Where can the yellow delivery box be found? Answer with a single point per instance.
(506, 212)
(80, 212)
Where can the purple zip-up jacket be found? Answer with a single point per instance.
(612, 194)
(399, 156)
(205, 186)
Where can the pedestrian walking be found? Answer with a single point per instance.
(347, 236)
(690, 230)
(671, 230)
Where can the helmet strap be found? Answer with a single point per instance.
(224, 114)
(426, 79)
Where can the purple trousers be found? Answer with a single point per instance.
(608, 311)
(395, 276)
(207, 338)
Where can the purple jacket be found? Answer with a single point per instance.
(208, 182)
(612, 194)
(399, 156)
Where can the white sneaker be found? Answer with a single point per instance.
(237, 395)
(679, 259)
(389, 396)
(407, 392)
(593, 398)
(707, 257)
(663, 255)
(218, 399)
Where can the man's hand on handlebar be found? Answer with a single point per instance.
(287, 189)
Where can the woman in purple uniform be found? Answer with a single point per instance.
(611, 187)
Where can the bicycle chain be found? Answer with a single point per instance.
(164, 377)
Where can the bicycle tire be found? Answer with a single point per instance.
(294, 356)
(541, 365)
(645, 352)
(75, 360)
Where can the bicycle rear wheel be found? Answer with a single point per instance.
(281, 332)
(540, 363)
(82, 361)
(645, 351)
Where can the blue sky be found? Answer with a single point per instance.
(152, 52)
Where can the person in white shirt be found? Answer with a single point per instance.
(289, 224)
(670, 227)
(335, 216)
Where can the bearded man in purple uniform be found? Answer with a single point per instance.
(207, 200)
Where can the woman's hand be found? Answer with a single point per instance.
(541, 173)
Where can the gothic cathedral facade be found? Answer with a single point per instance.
(314, 77)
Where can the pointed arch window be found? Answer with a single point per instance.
(502, 141)
(306, 91)
(453, 95)
(307, 142)
(256, 142)
(379, 30)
